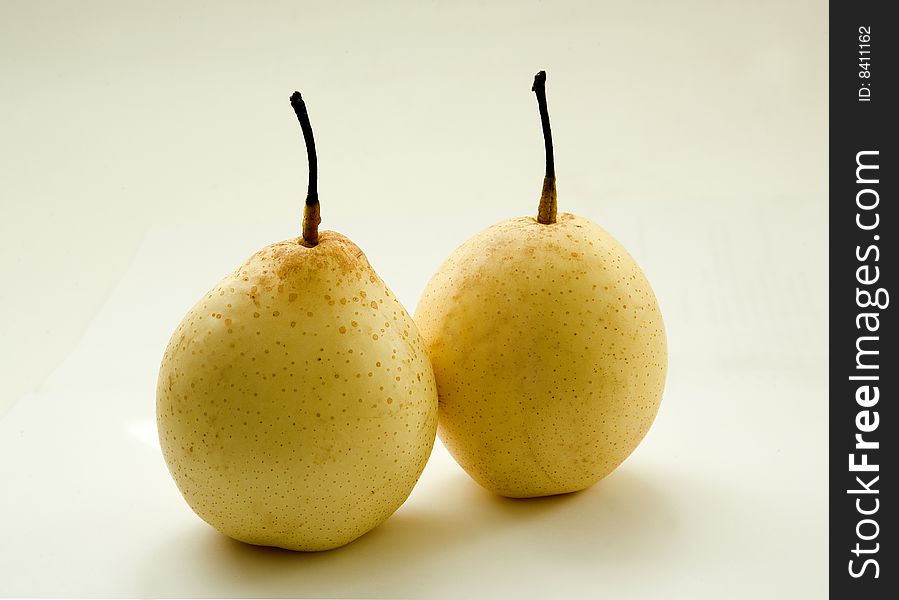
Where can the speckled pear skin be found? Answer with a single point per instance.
(296, 404)
(549, 353)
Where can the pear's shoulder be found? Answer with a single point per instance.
(335, 253)
(566, 225)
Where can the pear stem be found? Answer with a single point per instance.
(311, 212)
(546, 212)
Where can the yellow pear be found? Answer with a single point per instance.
(296, 404)
(548, 349)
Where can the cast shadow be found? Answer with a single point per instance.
(457, 525)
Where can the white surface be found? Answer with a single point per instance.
(723, 499)
(149, 150)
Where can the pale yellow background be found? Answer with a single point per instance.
(146, 149)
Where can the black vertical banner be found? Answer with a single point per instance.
(864, 369)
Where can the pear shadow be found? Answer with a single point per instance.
(455, 527)
(626, 516)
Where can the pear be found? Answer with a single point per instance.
(296, 404)
(548, 348)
